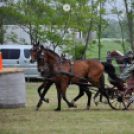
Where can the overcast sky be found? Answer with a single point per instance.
(119, 4)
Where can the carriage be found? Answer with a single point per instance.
(123, 99)
(120, 100)
(65, 72)
(128, 96)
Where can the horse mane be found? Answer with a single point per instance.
(49, 50)
(119, 52)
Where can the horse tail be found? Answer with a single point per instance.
(110, 70)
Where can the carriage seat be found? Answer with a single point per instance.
(130, 82)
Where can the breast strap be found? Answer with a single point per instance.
(71, 70)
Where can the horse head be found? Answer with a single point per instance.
(116, 53)
(47, 60)
(112, 53)
(118, 56)
(34, 50)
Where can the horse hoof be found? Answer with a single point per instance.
(86, 108)
(96, 102)
(46, 100)
(36, 109)
(73, 104)
(57, 109)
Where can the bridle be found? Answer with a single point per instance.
(47, 69)
(47, 66)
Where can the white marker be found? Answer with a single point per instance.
(66, 7)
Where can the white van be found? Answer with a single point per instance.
(17, 56)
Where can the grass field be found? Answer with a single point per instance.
(108, 45)
(98, 120)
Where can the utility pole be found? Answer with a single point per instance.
(99, 39)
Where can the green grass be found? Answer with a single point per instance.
(108, 45)
(98, 120)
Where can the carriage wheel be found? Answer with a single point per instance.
(116, 100)
(128, 98)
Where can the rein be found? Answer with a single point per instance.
(70, 74)
(48, 66)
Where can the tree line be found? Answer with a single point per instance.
(45, 20)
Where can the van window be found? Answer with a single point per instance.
(27, 53)
(10, 53)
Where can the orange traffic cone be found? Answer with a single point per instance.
(1, 68)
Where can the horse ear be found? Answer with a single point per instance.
(42, 47)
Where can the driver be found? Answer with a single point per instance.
(128, 71)
(128, 59)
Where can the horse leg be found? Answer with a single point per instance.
(95, 96)
(46, 86)
(39, 88)
(59, 98)
(89, 94)
(64, 87)
(102, 84)
(81, 93)
(98, 92)
(40, 101)
(103, 90)
(69, 104)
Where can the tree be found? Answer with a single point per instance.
(101, 23)
(125, 21)
(96, 22)
(46, 21)
(5, 12)
(129, 6)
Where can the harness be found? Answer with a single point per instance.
(71, 70)
(51, 73)
(51, 66)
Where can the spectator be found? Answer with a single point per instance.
(128, 71)
(109, 60)
(128, 57)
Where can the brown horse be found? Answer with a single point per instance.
(89, 69)
(118, 56)
(47, 83)
(109, 68)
